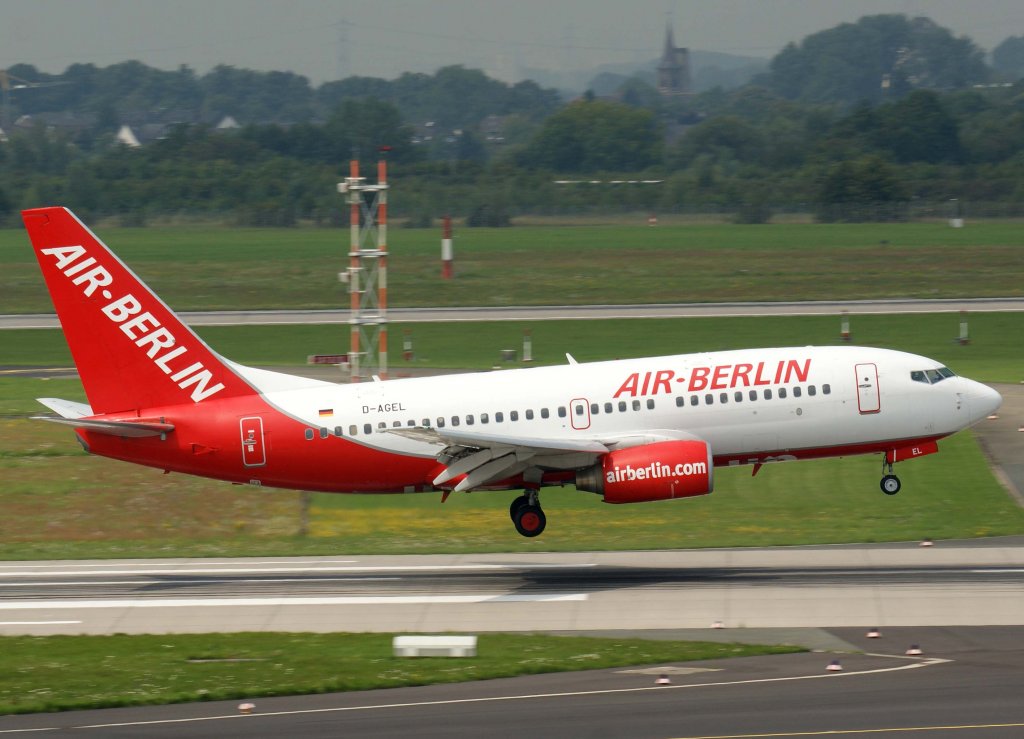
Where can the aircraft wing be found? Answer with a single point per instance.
(486, 458)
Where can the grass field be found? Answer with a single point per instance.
(210, 268)
(59, 673)
(59, 502)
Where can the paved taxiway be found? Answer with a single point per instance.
(572, 312)
(968, 683)
(966, 584)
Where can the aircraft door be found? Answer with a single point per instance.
(579, 414)
(868, 398)
(254, 453)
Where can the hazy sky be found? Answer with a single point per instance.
(328, 39)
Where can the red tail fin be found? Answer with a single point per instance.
(131, 350)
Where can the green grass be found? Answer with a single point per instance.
(211, 268)
(59, 502)
(59, 673)
(995, 353)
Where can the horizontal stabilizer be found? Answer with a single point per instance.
(66, 408)
(132, 429)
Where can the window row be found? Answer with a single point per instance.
(752, 395)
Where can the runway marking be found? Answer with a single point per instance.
(833, 732)
(289, 561)
(354, 600)
(929, 662)
(305, 570)
(209, 581)
(36, 623)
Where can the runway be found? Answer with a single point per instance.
(886, 585)
(570, 312)
(961, 601)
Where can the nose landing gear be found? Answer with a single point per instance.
(527, 515)
(890, 484)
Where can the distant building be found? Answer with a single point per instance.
(127, 137)
(674, 68)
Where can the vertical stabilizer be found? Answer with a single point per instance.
(131, 350)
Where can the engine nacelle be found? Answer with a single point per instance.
(660, 471)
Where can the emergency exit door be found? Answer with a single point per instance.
(254, 452)
(868, 399)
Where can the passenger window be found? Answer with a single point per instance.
(544, 413)
(636, 405)
(484, 418)
(440, 422)
(309, 434)
(410, 423)
(382, 425)
(826, 389)
(367, 428)
(622, 406)
(650, 404)
(595, 408)
(397, 424)
(529, 414)
(797, 392)
(499, 417)
(694, 400)
(723, 398)
(680, 401)
(513, 415)
(768, 394)
(738, 396)
(709, 399)
(469, 420)
(782, 392)
(455, 421)
(353, 430)
(753, 394)
(426, 423)
(811, 390)
(324, 433)
(561, 411)
(607, 407)
(337, 431)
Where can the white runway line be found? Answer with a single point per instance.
(36, 623)
(399, 600)
(192, 570)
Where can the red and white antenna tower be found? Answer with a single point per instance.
(367, 271)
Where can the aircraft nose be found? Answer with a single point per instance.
(983, 400)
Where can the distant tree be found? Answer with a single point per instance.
(863, 190)
(919, 129)
(1008, 57)
(721, 138)
(598, 135)
(879, 56)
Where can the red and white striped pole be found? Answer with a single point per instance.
(354, 287)
(447, 252)
(382, 268)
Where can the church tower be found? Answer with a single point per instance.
(674, 67)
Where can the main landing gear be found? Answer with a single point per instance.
(890, 483)
(527, 515)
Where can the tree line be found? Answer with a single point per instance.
(923, 131)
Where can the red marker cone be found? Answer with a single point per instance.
(834, 666)
(663, 680)
(874, 634)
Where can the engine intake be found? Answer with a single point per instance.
(660, 471)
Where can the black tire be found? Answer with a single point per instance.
(516, 505)
(890, 484)
(530, 520)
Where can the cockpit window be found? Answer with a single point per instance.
(932, 376)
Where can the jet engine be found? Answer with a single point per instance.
(659, 471)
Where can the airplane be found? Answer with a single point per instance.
(629, 430)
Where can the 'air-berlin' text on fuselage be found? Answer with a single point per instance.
(719, 377)
(143, 328)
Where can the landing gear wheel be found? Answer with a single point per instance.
(529, 520)
(516, 505)
(890, 485)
